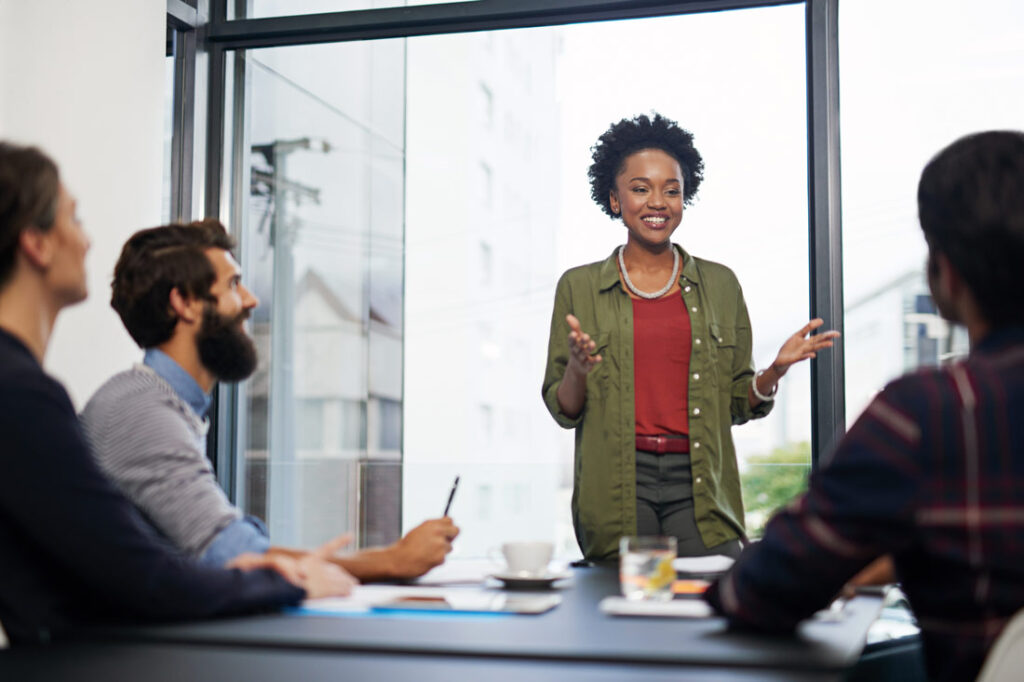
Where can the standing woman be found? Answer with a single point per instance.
(649, 359)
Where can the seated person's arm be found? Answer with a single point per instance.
(247, 535)
(56, 496)
(161, 469)
(420, 550)
(881, 571)
(857, 508)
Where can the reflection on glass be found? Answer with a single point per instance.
(930, 73)
(498, 207)
(323, 250)
(412, 204)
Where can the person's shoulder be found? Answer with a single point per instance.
(130, 389)
(714, 270)
(922, 389)
(136, 400)
(959, 381)
(588, 275)
(22, 379)
(584, 272)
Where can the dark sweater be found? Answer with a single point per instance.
(72, 549)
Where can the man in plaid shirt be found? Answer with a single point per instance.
(933, 471)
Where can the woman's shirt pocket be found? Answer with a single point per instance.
(723, 350)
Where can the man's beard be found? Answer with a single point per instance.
(224, 347)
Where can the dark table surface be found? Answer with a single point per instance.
(132, 662)
(575, 632)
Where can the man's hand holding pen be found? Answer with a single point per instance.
(424, 547)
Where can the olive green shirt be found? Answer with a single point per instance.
(604, 486)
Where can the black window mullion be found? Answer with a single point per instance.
(828, 403)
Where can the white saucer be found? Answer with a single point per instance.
(520, 581)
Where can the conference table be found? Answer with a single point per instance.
(574, 641)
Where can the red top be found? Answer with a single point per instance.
(661, 364)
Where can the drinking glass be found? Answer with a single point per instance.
(645, 567)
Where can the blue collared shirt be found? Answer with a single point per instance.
(187, 388)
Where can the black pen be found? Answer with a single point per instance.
(451, 496)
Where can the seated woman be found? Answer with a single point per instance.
(72, 549)
(649, 359)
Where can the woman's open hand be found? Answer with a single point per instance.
(800, 346)
(581, 347)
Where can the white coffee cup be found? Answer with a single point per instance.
(527, 558)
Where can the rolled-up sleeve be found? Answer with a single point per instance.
(246, 535)
(743, 369)
(860, 506)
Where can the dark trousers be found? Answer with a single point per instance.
(664, 504)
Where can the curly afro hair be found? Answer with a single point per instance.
(632, 135)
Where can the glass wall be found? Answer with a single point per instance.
(412, 204)
(322, 235)
(498, 207)
(915, 75)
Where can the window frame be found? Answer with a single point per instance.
(208, 38)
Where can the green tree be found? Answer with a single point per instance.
(772, 480)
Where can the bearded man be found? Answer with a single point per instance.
(179, 292)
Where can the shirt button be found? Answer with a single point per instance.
(696, 411)
(696, 446)
(696, 376)
(686, 289)
(697, 341)
(697, 480)
(694, 308)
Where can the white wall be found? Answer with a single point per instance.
(84, 81)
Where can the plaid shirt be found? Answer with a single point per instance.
(933, 473)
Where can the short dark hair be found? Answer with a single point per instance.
(970, 202)
(29, 188)
(631, 135)
(157, 260)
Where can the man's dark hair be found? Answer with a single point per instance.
(157, 260)
(631, 135)
(971, 205)
(29, 187)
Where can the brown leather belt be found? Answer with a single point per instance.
(662, 444)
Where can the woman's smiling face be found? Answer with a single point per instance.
(648, 195)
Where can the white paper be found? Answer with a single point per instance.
(365, 597)
(716, 563)
(675, 608)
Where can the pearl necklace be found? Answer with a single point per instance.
(661, 292)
